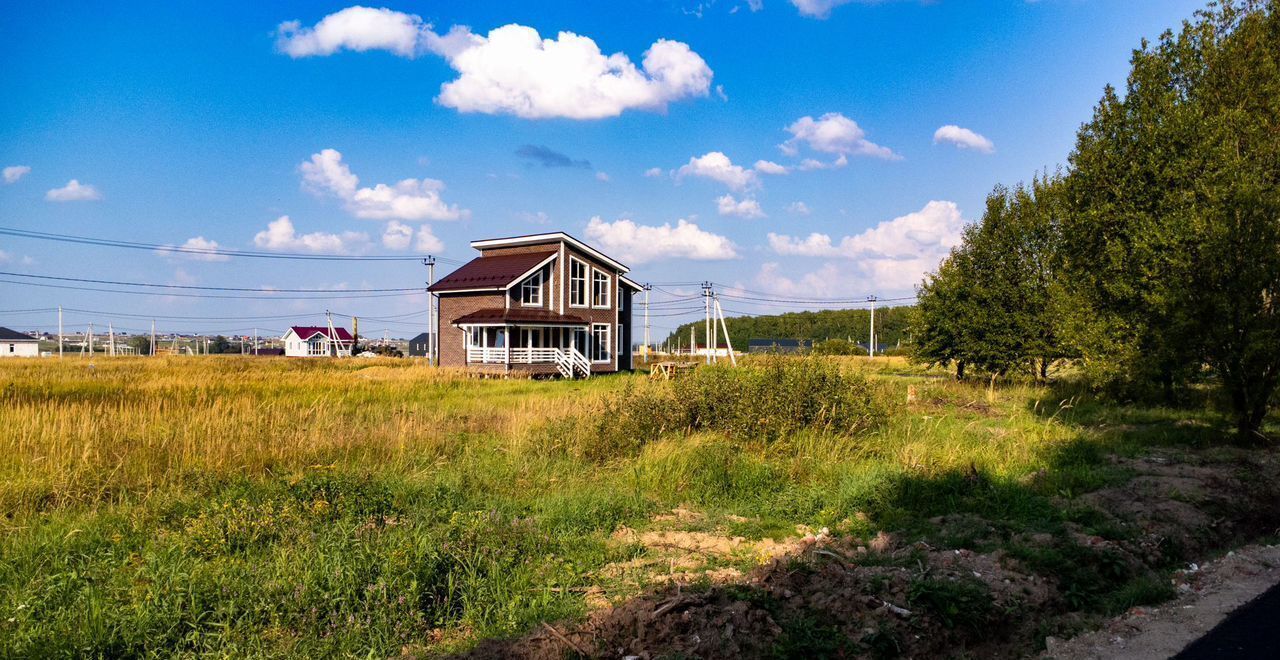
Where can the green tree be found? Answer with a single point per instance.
(1173, 246)
(141, 344)
(993, 303)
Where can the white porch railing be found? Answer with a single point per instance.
(568, 361)
(514, 355)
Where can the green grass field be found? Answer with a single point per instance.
(240, 506)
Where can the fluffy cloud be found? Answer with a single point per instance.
(198, 248)
(833, 133)
(963, 138)
(894, 254)
(280, 235)
(399, 236)
(425, 241)
(798, 208)
(716, 166)
(746, 208)
(819, 9)
(602, 176)
(410, 199)
(74, 191)
(639, 244)
(770, 167)
(513, 70)
(654, 172)
(354, 28)
(15, 172)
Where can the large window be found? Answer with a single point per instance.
(600, 286)
(577, 283)
(600, 342)
(531, 291)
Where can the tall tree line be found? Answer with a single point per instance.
(1153, 261)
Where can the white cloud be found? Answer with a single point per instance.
(410, 199)
(833, 133)
(15, 172)
(798, 208)
(819, 9)
(198, 248)
(281, 235)
(427, 241)
(963, 138)
(746, 208)
(9, 258)
(716, 166)
(74, 191)
(770, 167)
(602, 176)
(397, 236)
(641, 244)
(755, 5)
(894, 254)
(513, 70)
(829, 280)
(354, 28)
(654, 172)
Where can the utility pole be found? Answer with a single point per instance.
(59, 331)
(733, 359)
(647, 287)
(706, 317)
(153, 337)
(871, 343)
(90, 341)
(255, 341)
(432, 341)
(111, 339)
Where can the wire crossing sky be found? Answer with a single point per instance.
(274, 160)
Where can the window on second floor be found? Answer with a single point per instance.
(577, 283)
(600, 286)
(531, 291)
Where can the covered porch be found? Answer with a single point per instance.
(511, 340)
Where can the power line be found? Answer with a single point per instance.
(199, 295)
(204, 288)
(215, 252)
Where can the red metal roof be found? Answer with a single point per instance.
(492, 272)
(306, 332)
(518, 315)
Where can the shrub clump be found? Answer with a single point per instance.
(762, 401)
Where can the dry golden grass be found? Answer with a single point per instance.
(75, 431)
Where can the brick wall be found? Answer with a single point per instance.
(453, 306)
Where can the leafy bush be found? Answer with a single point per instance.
(761, 401)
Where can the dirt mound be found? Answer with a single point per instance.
(916, 601)
(820, 596)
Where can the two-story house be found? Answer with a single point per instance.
(540, 304)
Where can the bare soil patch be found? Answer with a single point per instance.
(849, 597)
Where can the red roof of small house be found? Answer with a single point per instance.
(306, 332)
(492, 272)
(517, 315)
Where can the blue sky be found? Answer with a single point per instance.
(182, 121)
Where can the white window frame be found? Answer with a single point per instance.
(601, 347)
(574, 301)
(608, 286)
(622, 305)
(531, 289)
(619, 342)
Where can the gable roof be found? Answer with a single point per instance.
(553, 237)
(13, 335)
(421, 338)
(491, 272)
(306, 332)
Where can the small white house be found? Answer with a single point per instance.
(17, 344)
(317, 341)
